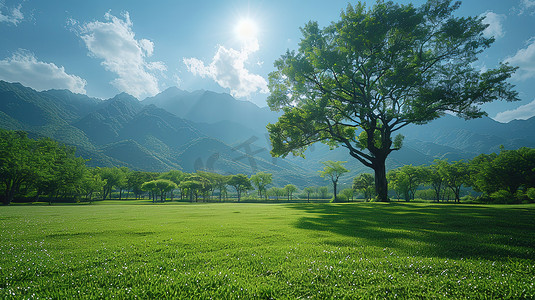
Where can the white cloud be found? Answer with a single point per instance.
(526, 6)
(525, 60)
(13, 16)
(114, 42)
(23, 67)
(522, 112)
(229, 71)
(495, 22)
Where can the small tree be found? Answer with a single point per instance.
(175, 176)
(308, 191)
(365, 183)
(433, 177)
(220, 182)
(241, 183)
(190, 187)
(323, 192)
(348, 194)
(136, 179)
(164, 186)
(274, 191)
(92, 183)
(114, 177)
(289, 189)
(260, 180)
(333, 170)
(150, 186)
(455, 175)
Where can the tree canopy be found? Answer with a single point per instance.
(333, 170)
(260, 180)
(241, 183)
(358, 81)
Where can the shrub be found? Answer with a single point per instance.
(469, 199)
(531, 194)
(503, 196)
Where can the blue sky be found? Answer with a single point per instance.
(101, 48)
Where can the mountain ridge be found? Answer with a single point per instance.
(203, 130)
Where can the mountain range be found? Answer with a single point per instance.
(203, 130)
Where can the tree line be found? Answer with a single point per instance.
(45, 170)
(506, 177)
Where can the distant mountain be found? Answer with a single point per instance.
(44, 113)
(105, 124)
(204, 130)
(472, 137)
(209, 107)
(122, 131)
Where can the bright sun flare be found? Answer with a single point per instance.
(246, 29)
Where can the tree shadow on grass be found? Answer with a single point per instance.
(446, 231)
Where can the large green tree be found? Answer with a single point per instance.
(358, 81)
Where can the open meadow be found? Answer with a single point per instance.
(262, 251)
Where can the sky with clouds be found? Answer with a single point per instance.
(101, 48)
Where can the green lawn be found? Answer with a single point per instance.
(264, 251)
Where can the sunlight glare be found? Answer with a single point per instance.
(246, 29)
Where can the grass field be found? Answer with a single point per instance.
(230, 251)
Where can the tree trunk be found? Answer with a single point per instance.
(335, 185)
(381, 184)
(10, 194)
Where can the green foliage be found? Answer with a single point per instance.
(308, 191)
(365, 183)
(260, 180)
(276, 192)
(347, 195)
(455, 175)
(359, 80)
(195, 185)
(434, 178)
(323, 192)
(241, 183)
(503, 196)
(136, 179)
(44, 166)
(92, 184)
(259, 251)
(405, 180)
(531, 194)
(333, 170)
(289, 189)
(217, 181)
(509, 170)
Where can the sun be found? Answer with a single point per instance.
(246, 29)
